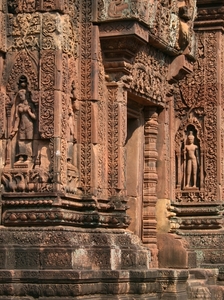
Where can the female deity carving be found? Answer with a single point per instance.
(192, 161)
(24, 126)
(73, 108)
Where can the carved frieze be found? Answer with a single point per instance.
(169, 22)
(24, 181)
(19, 6)
(54, 216)
(48, 31)
(149, 75)
(29, 6)
(70, 36)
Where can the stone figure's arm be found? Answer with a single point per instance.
(16, 124)
(197, 156)
(185, 153)
(32, 114)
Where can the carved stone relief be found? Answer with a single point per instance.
(23, 126)
(148, 75)
(35, 40)
(69, 70)
(189, 157)
(195, 101)
(168, 20)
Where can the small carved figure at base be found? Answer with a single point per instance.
(23, 162)
(20, 160)
(72, 178)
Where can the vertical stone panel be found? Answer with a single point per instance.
(211, 134)
(112, 139)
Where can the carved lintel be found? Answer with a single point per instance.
(124, 28)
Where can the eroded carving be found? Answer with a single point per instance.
(23, 127)
(116, 8)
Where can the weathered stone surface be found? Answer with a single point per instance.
(111, 149)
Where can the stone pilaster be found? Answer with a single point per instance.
(150, 182)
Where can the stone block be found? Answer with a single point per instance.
(56, 258)
(172, 252)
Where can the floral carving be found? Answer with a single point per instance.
(24, 65)
(112, 140)
(46, 121)
(2, 114)
(25, 28)
(195, 105)
(48, 70)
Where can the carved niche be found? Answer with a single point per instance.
(195, 105)
(22, 172)
(189, 157)
(197, 141)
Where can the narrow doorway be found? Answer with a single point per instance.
(134, 163)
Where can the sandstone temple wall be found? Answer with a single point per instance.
(111, 148)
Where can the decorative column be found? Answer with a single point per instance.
(150, 182)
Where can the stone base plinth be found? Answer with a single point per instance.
(67, 263)
(152, 284)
